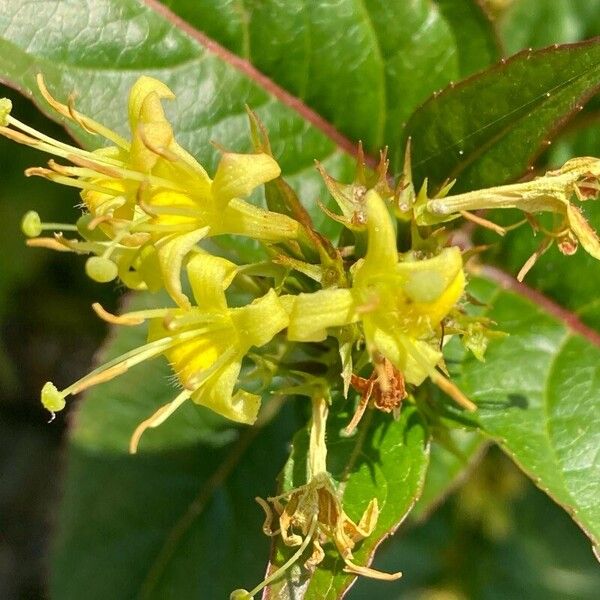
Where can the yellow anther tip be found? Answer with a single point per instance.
(52, 399)
(5, 108)
(31, 224)
(101, 269)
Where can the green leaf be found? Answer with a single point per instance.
(487, 129)
(386, 460)
(539, 23)
(477, 43)
(452, 456)
(383, 49)
(497, 537)
(545, 416)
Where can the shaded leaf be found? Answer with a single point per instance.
(477, 43)
(539, 23)
(536, 554)
(545, 416)
(451, 460)
(487, 130)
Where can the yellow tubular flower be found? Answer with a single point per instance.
(400, 301)
(204, 344)
(149, 192)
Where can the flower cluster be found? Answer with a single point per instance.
(383, 315)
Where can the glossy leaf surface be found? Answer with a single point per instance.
(487, 130)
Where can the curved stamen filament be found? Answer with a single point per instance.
(131, 318)
(158, 418)
(83, 121)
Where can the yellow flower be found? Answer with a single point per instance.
(204, 344)
(399, 300)
(149, 195)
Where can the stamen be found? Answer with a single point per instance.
(69, 181)
(85, 122)
(158, 150)
(129, 359)
(453, 391)
(267, 529)
(76, 116)
(95, 170)
(546, 243)
(132, 318)
(368, 572)
(32, 226)
(124, 172)
(158, 418)
(483, 222)
(49, 243)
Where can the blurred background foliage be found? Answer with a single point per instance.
(495, 537)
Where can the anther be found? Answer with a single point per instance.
(52, 399)
(32, 226)
(101, 269)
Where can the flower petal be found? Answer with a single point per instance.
(258, 322)
(312, 314)
(382, 254)
(242, 218)
(584, 232)
(238, 174)
(141, 90)
(217, 394)
(432, 286)
(209, 277)
(172, 251)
